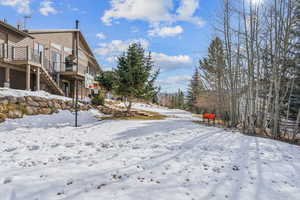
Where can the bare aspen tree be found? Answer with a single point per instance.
(259, 78)
(297, 55)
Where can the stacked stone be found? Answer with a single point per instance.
(16, 107)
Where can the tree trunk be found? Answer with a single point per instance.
(296, 129)
(129, 106)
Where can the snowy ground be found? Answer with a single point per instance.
(21, 93)
(4, 92)
(173, 159)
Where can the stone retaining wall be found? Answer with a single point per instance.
(16, 107)
(121, 112)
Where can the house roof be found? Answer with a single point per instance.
(14, 29)
(82, 38)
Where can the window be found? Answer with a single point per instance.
(38, 48)
(55, 60)
(68, 64)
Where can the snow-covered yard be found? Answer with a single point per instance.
(169, 159)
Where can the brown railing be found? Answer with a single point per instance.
(15, 53)
(81, 69)
(25, 53)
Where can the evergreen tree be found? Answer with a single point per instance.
(173, 101)
(194, 90)
(177, 100)
(180, 99)
(134, 75)
(213, 68)
(107, 80)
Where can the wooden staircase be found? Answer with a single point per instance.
(51, 83)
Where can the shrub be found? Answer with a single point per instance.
(98, 100)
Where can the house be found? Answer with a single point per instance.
(46, 60)
(15, 60)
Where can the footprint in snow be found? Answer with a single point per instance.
(60, 193)
(101, 186)
(235, 168)
(54, 145)
(89, 144)
(33, 147)
(216, 169)
(64, 158)
(10, 149)
(7, 180)
(69, 182)
(69, 145)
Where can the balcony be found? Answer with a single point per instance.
(19, 55)
(71, 70)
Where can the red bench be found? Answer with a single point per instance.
(209, 117)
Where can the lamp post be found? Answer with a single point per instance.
(76, 80)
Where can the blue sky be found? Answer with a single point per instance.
(177, 32)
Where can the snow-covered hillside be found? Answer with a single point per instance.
(170, 159)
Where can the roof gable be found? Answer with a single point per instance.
(14, 30)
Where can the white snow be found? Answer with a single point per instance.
(64, 118)
(22, 93)
(172, 159)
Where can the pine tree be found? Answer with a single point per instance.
(134, 75)
(107, 80)
(177, 100)
(194, 90)
(213, 68)
(180, 100)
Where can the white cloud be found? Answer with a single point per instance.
(166, 31)
(116, 47)
(174, 79)
(166, 62)
(100, 36)
(110, 51)
(22, 6)
(153, 11)
(47, 8)
(187, 10)
(148, 10)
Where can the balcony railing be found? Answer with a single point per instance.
(73, 68)
(14, 53)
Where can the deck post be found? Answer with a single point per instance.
(7, 77)
(13, 53)
(28, 77)
(27, 53)
(42, 58)
(38, 79)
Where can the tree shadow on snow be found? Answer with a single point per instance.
(164, 126)
(58, 120)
